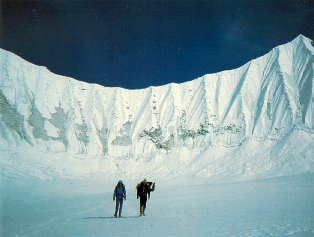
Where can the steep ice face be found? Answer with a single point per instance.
(267, 98)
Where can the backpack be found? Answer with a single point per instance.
(150, 184)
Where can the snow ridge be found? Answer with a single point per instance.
(266, 99)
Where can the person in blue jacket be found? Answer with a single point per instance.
(118, 195)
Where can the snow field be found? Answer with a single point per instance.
(65, 207)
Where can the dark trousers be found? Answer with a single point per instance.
(119, 204)
(143, 200)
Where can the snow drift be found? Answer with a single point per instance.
(254, 120)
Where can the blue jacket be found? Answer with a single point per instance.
(119, 191)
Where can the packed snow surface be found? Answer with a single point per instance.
(270, 207)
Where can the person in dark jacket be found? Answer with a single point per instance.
(118, 195)
(143, 192)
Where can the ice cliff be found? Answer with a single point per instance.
(266, 101)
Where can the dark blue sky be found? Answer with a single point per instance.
(136, 44)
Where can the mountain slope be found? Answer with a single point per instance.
(262, 106)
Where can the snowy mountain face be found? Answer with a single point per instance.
(251, 120)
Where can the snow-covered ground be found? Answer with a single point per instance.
(239, 194)
(183, 207)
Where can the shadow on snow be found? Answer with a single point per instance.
(107, 217)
